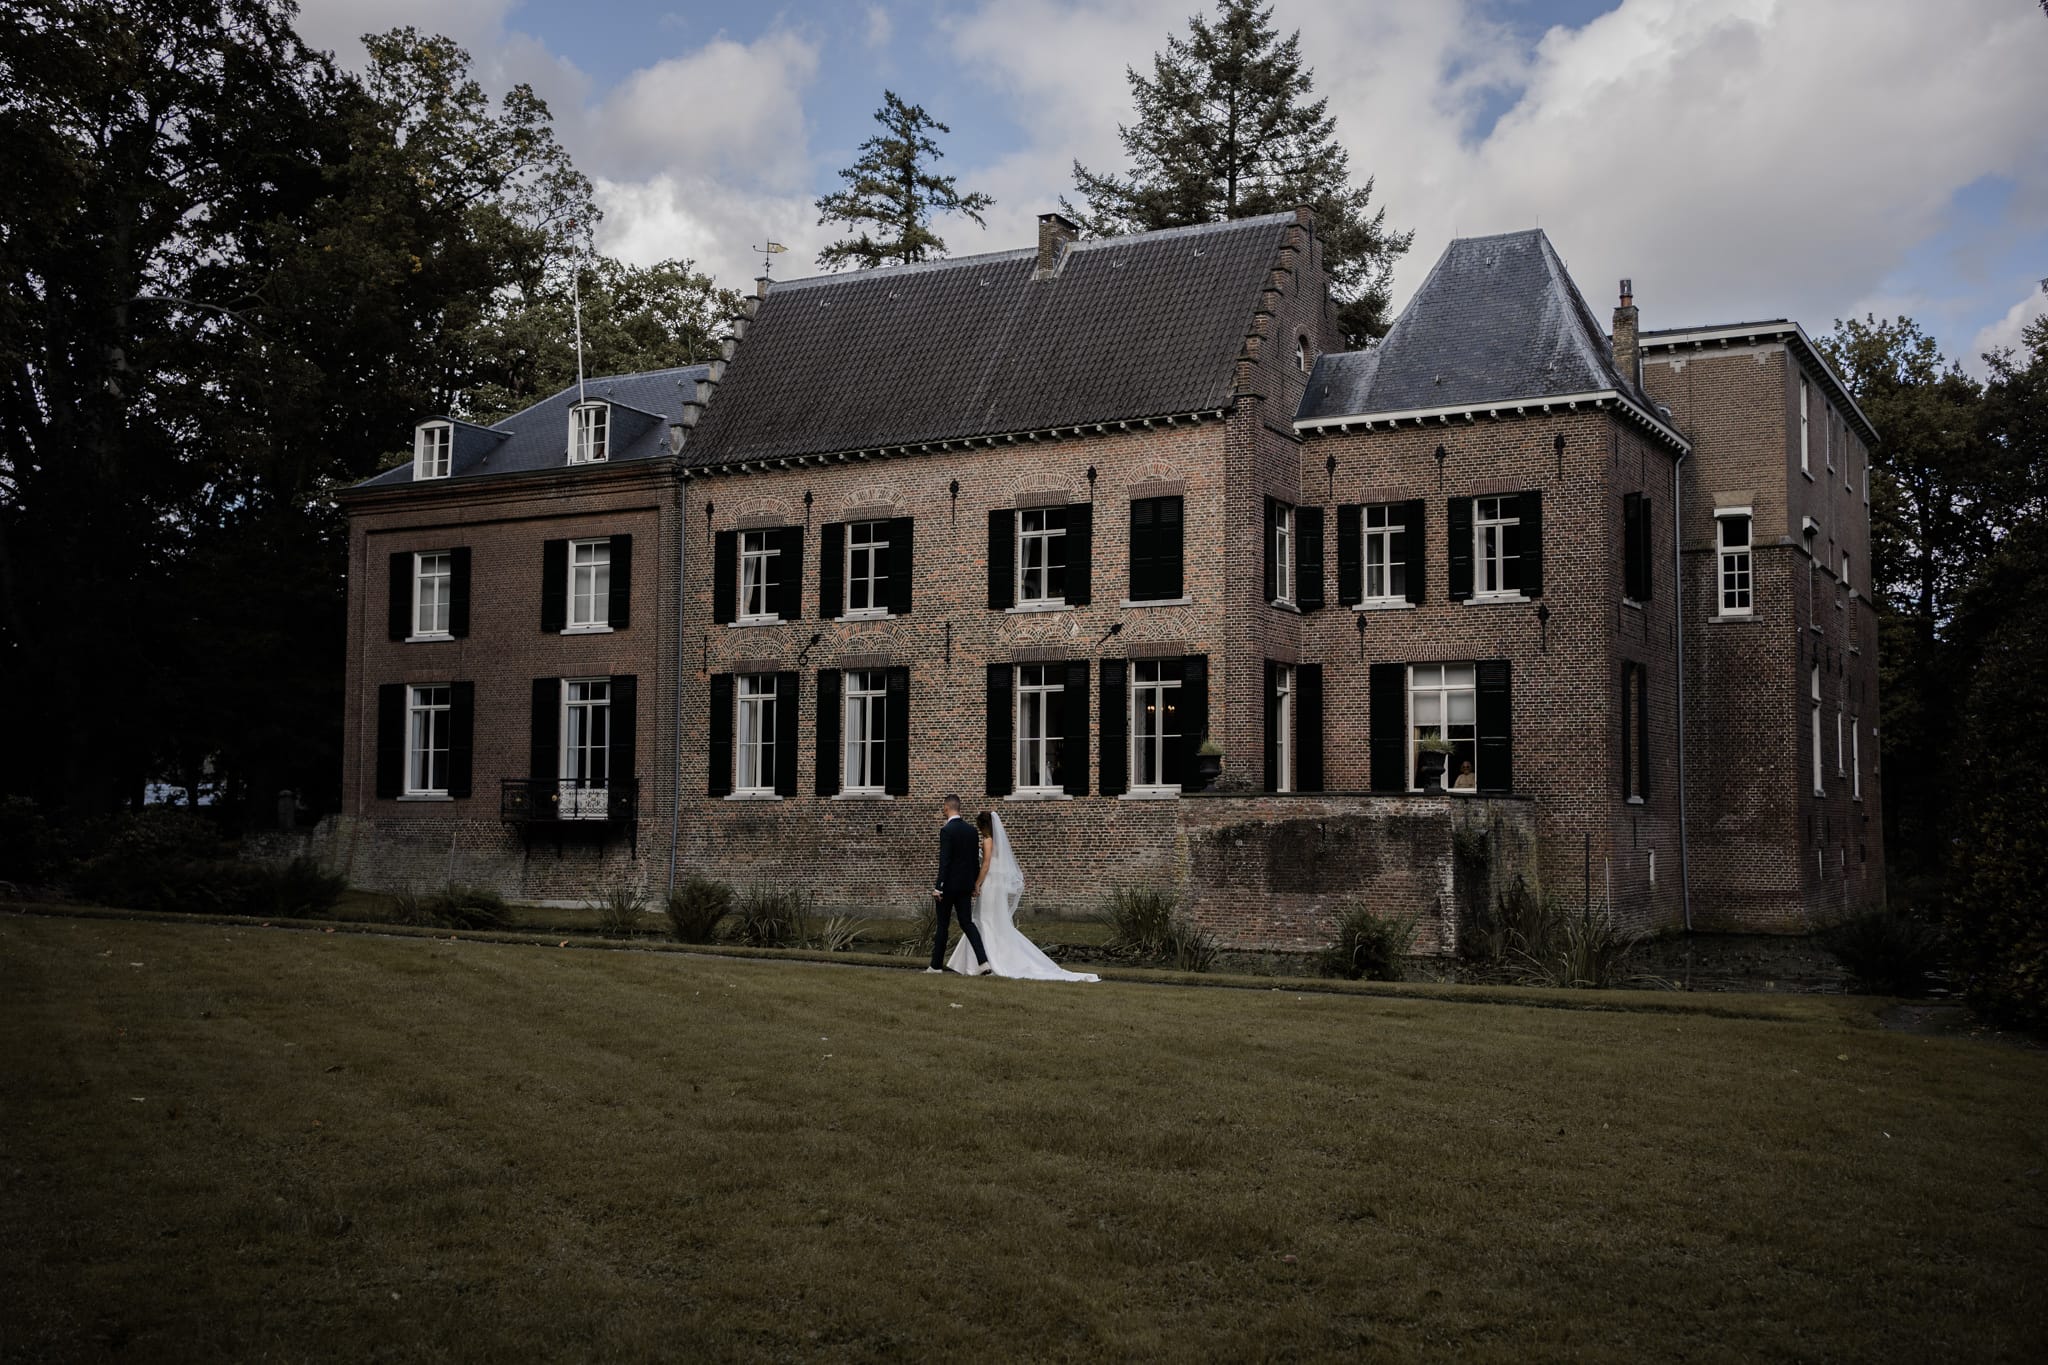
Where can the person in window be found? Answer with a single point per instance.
(1467, 780)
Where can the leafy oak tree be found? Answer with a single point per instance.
(893, 191)
(1226, 128)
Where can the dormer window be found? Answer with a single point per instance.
(589, 432)
(1304, 358)
(433, 446)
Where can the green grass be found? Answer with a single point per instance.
(222, 1142)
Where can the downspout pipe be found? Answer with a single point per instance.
(675, 718)
(1678, 588)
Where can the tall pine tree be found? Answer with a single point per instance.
(895, 188)
(1226, 129)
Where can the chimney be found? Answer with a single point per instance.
(761, 286)
(1054, 232)
(1628, 356)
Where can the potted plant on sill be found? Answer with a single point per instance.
(1208, 764)
(1433, 755)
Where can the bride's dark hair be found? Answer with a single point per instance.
(986, 824)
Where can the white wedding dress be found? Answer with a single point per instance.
(995, 915)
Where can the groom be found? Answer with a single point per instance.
(959, 867)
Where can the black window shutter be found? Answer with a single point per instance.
(554, 585)
(1169, 579)
(1643, 732)
(1387, 724)
(1144, 549)
(1649, 569)
(543, 738)
(1530, 508)
(785, 733)
(1350, 555)
(399, 619)
(458, 591)
(1271, 524)
(831, 571)
(390, 740)
(1460, 517)
(720, 783)
(896, 734)
(1308, 727)
(461, 737)
(1308, 558)
(1496, 725)
(1080, 559)
(1074, 730)
(1628, 751)
(1272, 781)
(1002, 562)
(725, 578)
(1116, 743)
(1001, 764)
(828, 731)
(622, 764)
(1414, 548)
(789, 582)
(900, 549)
(1194, 712)
(619, 606)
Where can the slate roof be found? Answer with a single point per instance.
(1138, 326)
(643, 405)
(1498, 319)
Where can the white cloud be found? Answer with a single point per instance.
(879, 29)
(2033, 305)
(1738, 159)
(730, 110)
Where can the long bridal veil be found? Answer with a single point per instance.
(1003, 891)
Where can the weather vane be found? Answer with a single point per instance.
(768, 255)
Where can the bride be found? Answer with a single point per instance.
(997, 892)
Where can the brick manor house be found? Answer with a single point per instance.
(1033, 526)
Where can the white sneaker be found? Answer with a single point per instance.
(933, 971)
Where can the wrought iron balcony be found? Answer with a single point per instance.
(570, 806)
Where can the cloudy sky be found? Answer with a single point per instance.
(1738, 158)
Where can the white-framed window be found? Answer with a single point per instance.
(590, 584)
(867, 567)
(866, 703)
(1819, 784)
(755, 737)
(433, 450)
(433, 582)
(1856, 759)
(758, 570)
(1847, 581)
(586, 748)
(1866, 478)
(1805, 444)
(1283, 728)
(1304, 357)
(1040, 695)
(1155, 725)
(1733, 553)
(590, 429)
(1443, 700)
(1841, 755)
(1283, 554)
(1386, 576)
(1827, 435)
(426, 740)
(1041, 555)
(1496, 547)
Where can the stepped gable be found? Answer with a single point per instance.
(1122, 327)
(1499, 320)
(537, 438)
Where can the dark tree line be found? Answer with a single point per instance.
(1959, 532)
(234, 277)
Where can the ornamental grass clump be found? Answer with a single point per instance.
(455, 905)
(1890, 952)
(772, 917)
(1141, 922)
(697, 908)
(621, 909)
(1369, 947)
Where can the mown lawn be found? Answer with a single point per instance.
(233, 1143)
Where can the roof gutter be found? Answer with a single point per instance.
(1512, 407)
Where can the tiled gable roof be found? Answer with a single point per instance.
(1498, 320)
(537, 438)
(1139, 326)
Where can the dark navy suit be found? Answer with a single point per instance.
(959, 867)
